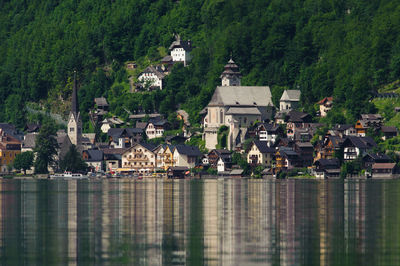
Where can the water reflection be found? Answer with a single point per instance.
(213, 222)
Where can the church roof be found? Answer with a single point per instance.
(243, 111)
(231, 69)
(241, 96)
(291, 95)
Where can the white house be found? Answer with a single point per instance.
(151, 78)
(290, 100)
(139, 158)
(156, 127)
(180, 51)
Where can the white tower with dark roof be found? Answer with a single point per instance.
(231, 75)
(74, 121)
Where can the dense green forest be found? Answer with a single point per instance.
(324, 47)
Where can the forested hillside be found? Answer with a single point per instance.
(324, 47)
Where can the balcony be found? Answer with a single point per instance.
(137, 159)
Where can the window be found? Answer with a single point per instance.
(71, 129)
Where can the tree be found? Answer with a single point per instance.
(46, 149)
(73, 161)
(24, 161)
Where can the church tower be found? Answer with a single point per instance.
(231, 75)
(74, 121)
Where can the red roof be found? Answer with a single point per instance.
(326, 99)
(383, 165)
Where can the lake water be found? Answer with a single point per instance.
(212, 222)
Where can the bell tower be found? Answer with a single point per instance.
(231, 75)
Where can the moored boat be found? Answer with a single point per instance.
(68, 175)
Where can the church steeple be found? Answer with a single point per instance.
(231, 75)
(74, 122)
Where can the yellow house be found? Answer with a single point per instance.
(9, 148)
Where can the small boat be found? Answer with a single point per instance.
(69, 175)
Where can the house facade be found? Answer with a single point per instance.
(9, 148)
(156, 128)
(260, 154)
(290, 100)
(325, 105)
(139, 158)
(186, 156)
(151, 78)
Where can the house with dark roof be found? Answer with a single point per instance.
(383, 170)
(343, 130)
(215, 154)
(29, 142)
(156, 127)
(368, 121)
(388, 132)
(327, 168)
(260, 153)
(297, 120)
(112, 158)
(290, 100)
(286, 159)
(269, 133)
(357, 146)
(305, 151)
(180, 52)
(327, 148)
(370, 158)
(151, 78)
(124, 137)
(185, 155)
(94, 159)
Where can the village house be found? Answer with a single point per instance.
(296, 120)
(187, 156)
(305, 151)
(286, 159)
(383, 170)
(124, 137)
(164, 156)
(260, 153)
(290, 100)
(180, 52)
(214, 155)
(357, 146)
(113, 159)
(327, 168)
(368, 121)
(111, 122)
(370, 158)
(327, 148)
(9, 148)
(139, 158)
(343, 130)
(100, 110)
(269, 133)
(156, 128)
(94, 159)
(151, 78)
(325, 105)
(236, 107)
(388, 132)
(223, 165)
(29, 142)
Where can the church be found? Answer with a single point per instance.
(236, 107)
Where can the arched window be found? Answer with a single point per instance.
(221, 116)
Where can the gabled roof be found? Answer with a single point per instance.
(94, 155)
(101, 101)
(158, 122)
(343, 127)
(325, 100)
(377, 157)
(371, 117)
(188, 150)
(270, 128)
(241, 96)
(328, 162)
(148, 146)
(360, 142)
(287, 152)
(263, 147)
(152, 69)
(388, 129)
(29, 140)
(178, 43)
(141, 125)
(291, 95)
(336, 141)
(243, 111)
(296, 116)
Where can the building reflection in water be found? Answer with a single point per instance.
(213, 222)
